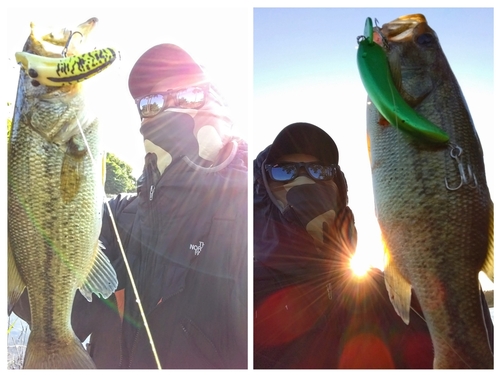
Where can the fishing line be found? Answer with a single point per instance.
(127, 266)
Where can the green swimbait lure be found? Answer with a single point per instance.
(376, 76)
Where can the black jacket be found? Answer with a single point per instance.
(186, 244)
(310, 311)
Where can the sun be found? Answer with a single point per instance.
(360, 264)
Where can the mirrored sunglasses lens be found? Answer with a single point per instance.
(191, 98)
(151, 105)
(283, 173)
(319, 172)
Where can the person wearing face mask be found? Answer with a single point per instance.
(310, 309)
(184, 232)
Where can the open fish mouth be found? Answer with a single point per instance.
(62, 58)
(63, 42)
(401, 29)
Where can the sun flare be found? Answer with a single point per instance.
(359, 264)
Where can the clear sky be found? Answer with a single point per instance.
(305, 70)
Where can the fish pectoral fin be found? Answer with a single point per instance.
(102, 277)
(15, 283)
(71, 177)
(488, 266)
(399, 291)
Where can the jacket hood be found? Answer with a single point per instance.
(304, 138)
(279, 242)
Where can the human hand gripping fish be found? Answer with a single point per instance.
(431, 196)
(55, 194)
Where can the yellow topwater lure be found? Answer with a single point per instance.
(61, 71)
(376, 76)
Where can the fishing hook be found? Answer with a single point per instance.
(379, 33)
(65, 49)
(470, 179)
(378, 30)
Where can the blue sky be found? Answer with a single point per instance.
(304, 69)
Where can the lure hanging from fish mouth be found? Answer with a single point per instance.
(61, 71)
(376, 77)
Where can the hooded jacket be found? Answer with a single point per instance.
(310, 311)
(185, 239)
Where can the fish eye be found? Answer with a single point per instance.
(425, 39)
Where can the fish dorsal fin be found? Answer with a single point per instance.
(102, 277)
(399, 291)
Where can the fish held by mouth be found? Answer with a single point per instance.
(432, 199)
(55, 193)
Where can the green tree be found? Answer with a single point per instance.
(119, 178)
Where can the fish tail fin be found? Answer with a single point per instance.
(102, 277)
(15, 283)
(71, 356)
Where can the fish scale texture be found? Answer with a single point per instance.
(438, 236)
(54, 224)
(55, 198)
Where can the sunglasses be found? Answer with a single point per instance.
(186, 98)
(285, 172)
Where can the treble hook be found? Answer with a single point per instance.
(65, 49)
(456, 153)
(381, 36)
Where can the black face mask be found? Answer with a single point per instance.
(309, 204)
(317, 208)
(309, 201)
(173, 132)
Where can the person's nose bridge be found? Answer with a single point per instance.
(302, 169)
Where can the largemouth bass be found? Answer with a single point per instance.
(55, 194)
(432, 199)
